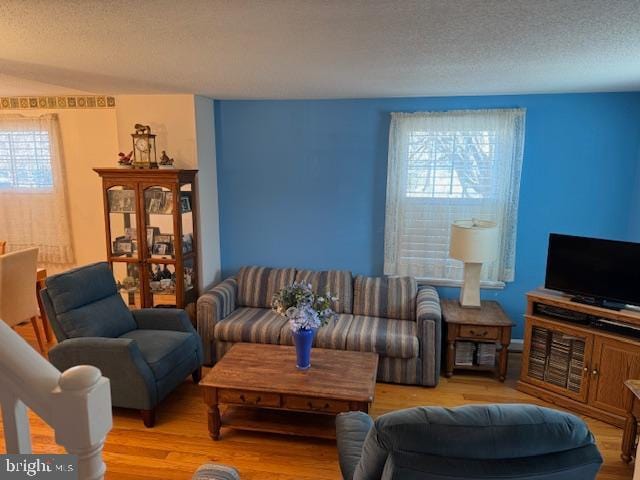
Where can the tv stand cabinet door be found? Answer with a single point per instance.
(540, 375)
(614, 361)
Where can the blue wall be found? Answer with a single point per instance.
(302, 183)
(634, 215)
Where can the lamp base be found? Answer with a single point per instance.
(470, 290)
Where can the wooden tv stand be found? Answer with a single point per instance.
(579, 366)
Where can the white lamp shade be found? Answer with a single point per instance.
(474, 241)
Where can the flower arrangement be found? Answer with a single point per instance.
(305, 309)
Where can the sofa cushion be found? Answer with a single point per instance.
(257, 285)
(164, 349)
(338, 282)
(387, 337)
(332, 336)
(388, 297)
(252, 325)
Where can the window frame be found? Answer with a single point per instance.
(412, 213)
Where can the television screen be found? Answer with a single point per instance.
(595, 268)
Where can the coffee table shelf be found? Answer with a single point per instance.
(280, 421)
(263, 391)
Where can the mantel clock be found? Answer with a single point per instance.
(144, 147)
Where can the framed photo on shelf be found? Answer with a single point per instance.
(160, 249)
(188, 277)
(159, 202)
(123, 245)
(163, 238)
(151, 234)
(167, 203)
(162, 245)
(130, 233)
(185, 203)
(187, 243)
(122, 201)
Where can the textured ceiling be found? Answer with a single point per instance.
(320, 48)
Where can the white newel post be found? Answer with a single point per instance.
(16, 423)
(82, 417)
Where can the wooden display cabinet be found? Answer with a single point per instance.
(579, 366)
(151, 235)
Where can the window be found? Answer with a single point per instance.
(33, 204)
(25, 160)
(447, 166)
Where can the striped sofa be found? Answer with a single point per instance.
(387, 315)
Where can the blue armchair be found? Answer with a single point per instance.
(474, 442)
(144, 353)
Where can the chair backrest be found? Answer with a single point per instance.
(3, 246)
(84, 302)
(479, 442)
(18, 286)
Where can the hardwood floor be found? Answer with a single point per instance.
(180, 443)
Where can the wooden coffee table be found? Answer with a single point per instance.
(261, 389)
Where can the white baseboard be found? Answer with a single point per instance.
(516, 345)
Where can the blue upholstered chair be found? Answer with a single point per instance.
(144, 353)
(475, 442)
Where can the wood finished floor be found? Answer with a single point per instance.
(179, 443)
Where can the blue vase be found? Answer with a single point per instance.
(303, 340)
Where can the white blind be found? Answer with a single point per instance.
(446, 166)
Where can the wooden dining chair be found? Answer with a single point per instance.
(18, 302)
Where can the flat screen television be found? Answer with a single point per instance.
(596, 271)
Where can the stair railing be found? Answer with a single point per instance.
(75, 403)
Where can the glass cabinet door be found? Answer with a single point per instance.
(160, 234)
(122, 222)
(186, 219)
(162, 245)
(188, 244)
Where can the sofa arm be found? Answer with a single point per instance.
(214, 306)
(429, 318)
(215, 471)
(133, 384)
(163, 319)
(351, 430)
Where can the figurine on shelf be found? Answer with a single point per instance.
(125, 161)
(165, 162)
(157, 274)
(166, 273)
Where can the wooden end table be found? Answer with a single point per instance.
(631, 424)
(487, 324)
(262, 390)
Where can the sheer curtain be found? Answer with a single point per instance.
(446, 166)
(33, 200)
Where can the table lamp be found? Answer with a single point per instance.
(473, 242)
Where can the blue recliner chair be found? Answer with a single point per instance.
(144, 353)
(474, 442)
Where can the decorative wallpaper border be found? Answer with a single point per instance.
(64, 101)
